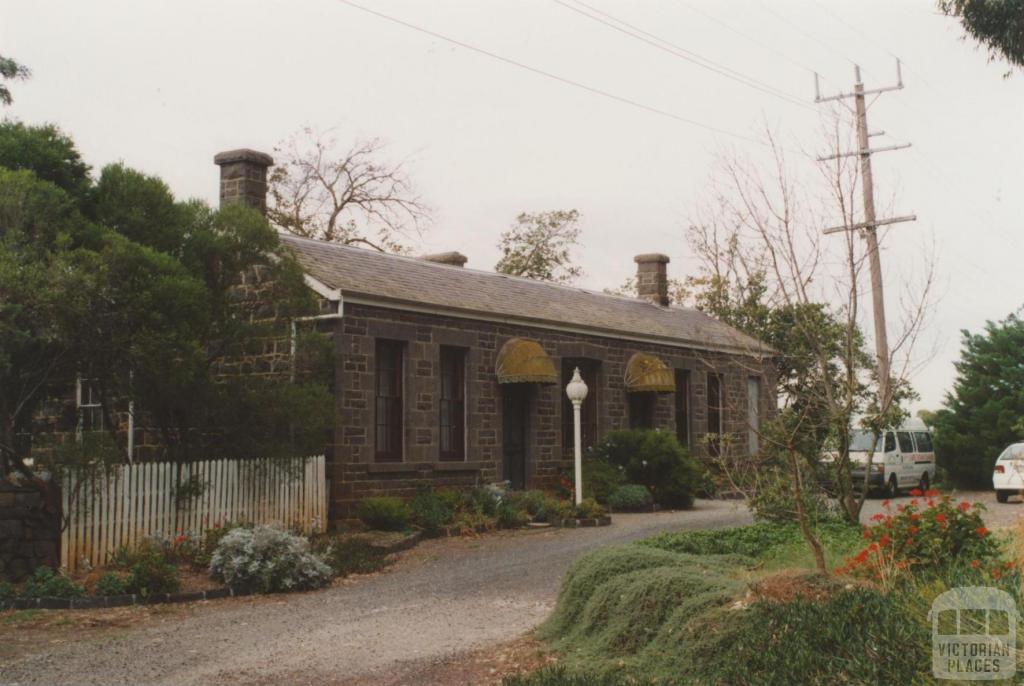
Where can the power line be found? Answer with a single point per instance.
(681, 52)
(555, 77)
(748, 37)
(799, 30)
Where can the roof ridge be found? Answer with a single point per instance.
(486, 272)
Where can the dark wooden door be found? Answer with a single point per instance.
(515, 410)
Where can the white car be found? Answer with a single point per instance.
(1008, 473)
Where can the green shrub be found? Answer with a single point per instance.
(656, 460)
(430, 512)
(152, 574)
(7, 591)
(533, 502)
(45, 583)
(510, 516)
(483, 501)
(540, 506)
(600, 479)
(111, 584)
(267, 559)
(630, 498)
(929, 537)
(588, 509)
(351, 555)
(773, 500)
(453, 498)
(150, 566)
(384, 513)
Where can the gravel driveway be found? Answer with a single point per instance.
(444, 597)
(996, 515)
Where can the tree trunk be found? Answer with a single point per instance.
(801, 515)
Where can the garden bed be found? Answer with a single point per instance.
(93, 602)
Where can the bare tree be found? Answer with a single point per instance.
(761, 236)
(350, 197)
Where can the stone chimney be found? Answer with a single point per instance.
(455, 259)
(243, 177)
(652, 278)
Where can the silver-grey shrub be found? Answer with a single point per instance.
(267, 559)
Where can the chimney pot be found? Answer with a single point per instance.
(652, 278)
(455, 259)
(243, 177)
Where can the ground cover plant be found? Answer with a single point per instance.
(348, 554)
(746, 606)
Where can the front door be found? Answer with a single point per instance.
(515, 401)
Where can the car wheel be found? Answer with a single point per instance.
(892, 489)
(1002, 496)
(925, 483)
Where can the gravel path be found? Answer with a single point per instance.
(444, 597)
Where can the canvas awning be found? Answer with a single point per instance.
(647, 374)
(521, 360)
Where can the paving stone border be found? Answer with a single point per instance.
(399, 545)
(92, 602)
(573, 523)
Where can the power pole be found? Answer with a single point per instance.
(869, 227)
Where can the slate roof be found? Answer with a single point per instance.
(395, 281)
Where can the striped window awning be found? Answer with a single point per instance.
(521, 360)
(647, 374)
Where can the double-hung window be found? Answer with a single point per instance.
(453, 403)
(389, 408)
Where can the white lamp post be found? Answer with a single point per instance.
(577, 392)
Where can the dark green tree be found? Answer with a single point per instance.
(982, 414)
(539, 246)
(996, 24)
(47, 152)
(10, 71)
(119, 283)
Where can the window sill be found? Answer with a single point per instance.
(454, 466)
(395, 467)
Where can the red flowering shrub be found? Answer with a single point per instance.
(931, 532)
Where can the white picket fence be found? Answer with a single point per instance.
(143, 500)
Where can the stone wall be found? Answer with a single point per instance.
(29, 532)
(355, 474)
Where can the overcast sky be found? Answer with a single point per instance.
(164, 85)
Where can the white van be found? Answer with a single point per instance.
(903, 458)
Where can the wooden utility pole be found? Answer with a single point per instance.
(869, 227)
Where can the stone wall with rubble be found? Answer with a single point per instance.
(29, 531)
